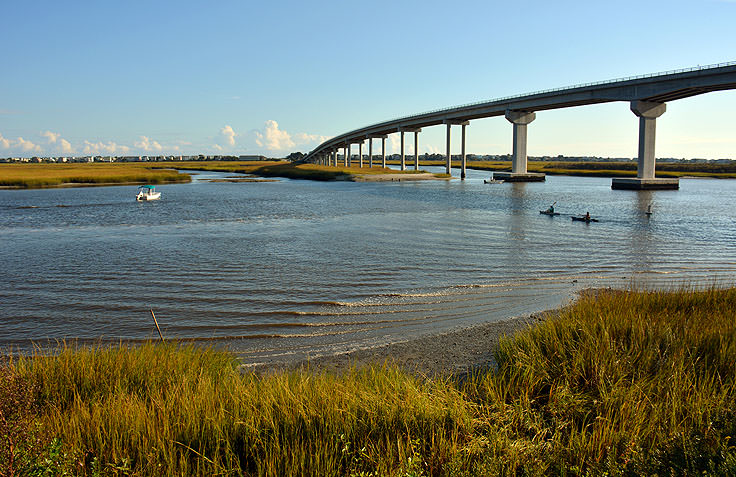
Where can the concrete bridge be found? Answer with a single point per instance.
(647, 95)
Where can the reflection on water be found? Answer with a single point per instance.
(278, 270)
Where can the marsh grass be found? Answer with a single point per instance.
(53, 175)
(168, 409)
(291, 170)
(600, 169)
(620, 383)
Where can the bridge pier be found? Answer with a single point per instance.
(462, 151)
(382, 137)
(416, 149)
(448, 157)
(648, 112)
(346, 151)
(383, 151)
(520, 119)
(416, 132)
(334, 157)
(403, 161)
(360, 153)
(450, 122)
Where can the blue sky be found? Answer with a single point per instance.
(243, 77)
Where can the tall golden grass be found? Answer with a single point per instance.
(599, 169)
(620, 383)
(289, 170)
(54, 175)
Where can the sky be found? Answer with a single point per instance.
(245, 77)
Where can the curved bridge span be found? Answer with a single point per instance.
(647, 95)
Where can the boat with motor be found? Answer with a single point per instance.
(147, 192)
(492, 180)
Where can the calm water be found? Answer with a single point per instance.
(278, 270)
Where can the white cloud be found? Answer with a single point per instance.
(52, 137)
(4, 143)
(304, 138)
(217, 147)
(148, 145)
(102, 148)
(394, 144)
(65, 146)
(60, 144)
(27, 146)
(272, 138)
(228, 135)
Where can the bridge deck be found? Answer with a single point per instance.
(661, 88)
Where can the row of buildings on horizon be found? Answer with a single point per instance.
(84, 159)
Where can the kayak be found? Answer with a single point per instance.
(583, 219)
(545, 212)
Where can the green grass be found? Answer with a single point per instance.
(620, 383)
(54, 175)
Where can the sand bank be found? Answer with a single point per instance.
(454, 353)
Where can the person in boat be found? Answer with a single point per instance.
(587, 216)
(551, 209)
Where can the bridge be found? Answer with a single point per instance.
(647, 94)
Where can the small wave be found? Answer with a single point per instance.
(413, 295)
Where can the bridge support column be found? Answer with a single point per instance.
(346, 150)
(462, 151)
(360, 152)
(370, 152)
(383, 152)
(334, 157)
(403, 159)
(519, 173)
(648, 112)
(448, 159)
(416, 149)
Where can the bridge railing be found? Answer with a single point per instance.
(551, 90)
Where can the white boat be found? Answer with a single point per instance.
(147, 192)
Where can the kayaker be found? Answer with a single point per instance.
(587, 216)
(551, 209)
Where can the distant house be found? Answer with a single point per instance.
(252, 158)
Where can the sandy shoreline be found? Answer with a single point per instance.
(453, 353)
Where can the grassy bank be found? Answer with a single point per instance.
(601, 169)
(621, 383)
(289, 170)
(30, 176)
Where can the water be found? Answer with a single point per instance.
(289, 269)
